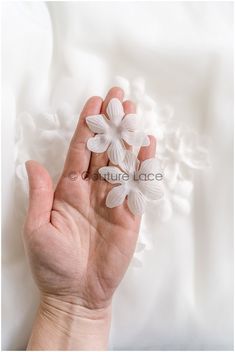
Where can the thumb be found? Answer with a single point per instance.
(40, 196)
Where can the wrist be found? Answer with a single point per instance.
(62, 325)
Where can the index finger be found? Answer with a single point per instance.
(78, 157)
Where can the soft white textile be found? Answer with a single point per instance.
(55, 55)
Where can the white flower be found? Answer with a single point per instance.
(136, 90)
(182, 153)
(137, 258)
(137, 181)
(112, 132)
(174, 200)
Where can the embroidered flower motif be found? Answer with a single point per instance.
(181, 154)
(177, 200)
(156, 117)
(111, 133)
(135, 90)
(137, 181)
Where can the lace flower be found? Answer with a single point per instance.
(137, 181)
(111, 133)
(182, 153)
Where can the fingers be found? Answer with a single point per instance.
(114, 92)
(129, 108)
(40, 196)
(78, 157)
(149, 151)
(99, 160)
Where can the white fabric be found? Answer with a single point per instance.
(178, 292)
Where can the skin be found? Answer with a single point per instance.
(78, 249)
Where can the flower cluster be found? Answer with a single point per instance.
(137, 189)
(134, 179)
(35, 131)
(179, 150)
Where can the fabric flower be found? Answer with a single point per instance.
(137, 181)
(174, 200)
(135, 90)
(111, 133)
(181, 154)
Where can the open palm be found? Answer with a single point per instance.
(78, 248)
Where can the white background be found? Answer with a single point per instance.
(182, 295)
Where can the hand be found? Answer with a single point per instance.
(78, 248)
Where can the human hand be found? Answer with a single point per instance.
(78, 248)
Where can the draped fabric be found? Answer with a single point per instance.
(175, 61)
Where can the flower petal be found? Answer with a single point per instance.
(113, 174)
(152, 189)
(172, 174)
(116, 196)
(184, 188)
(116, 152)
(197, 159)
(136, 262)
(150, 165)
(98, 144)
(181, 204)
(123, 83)
(140, 246)
(146, 141)
(131, 122)
(130, 163)
(135, 138)
(164, 209)
(136, 202)
(97, 123)
(115, 111)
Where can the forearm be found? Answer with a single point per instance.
(66, 326)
